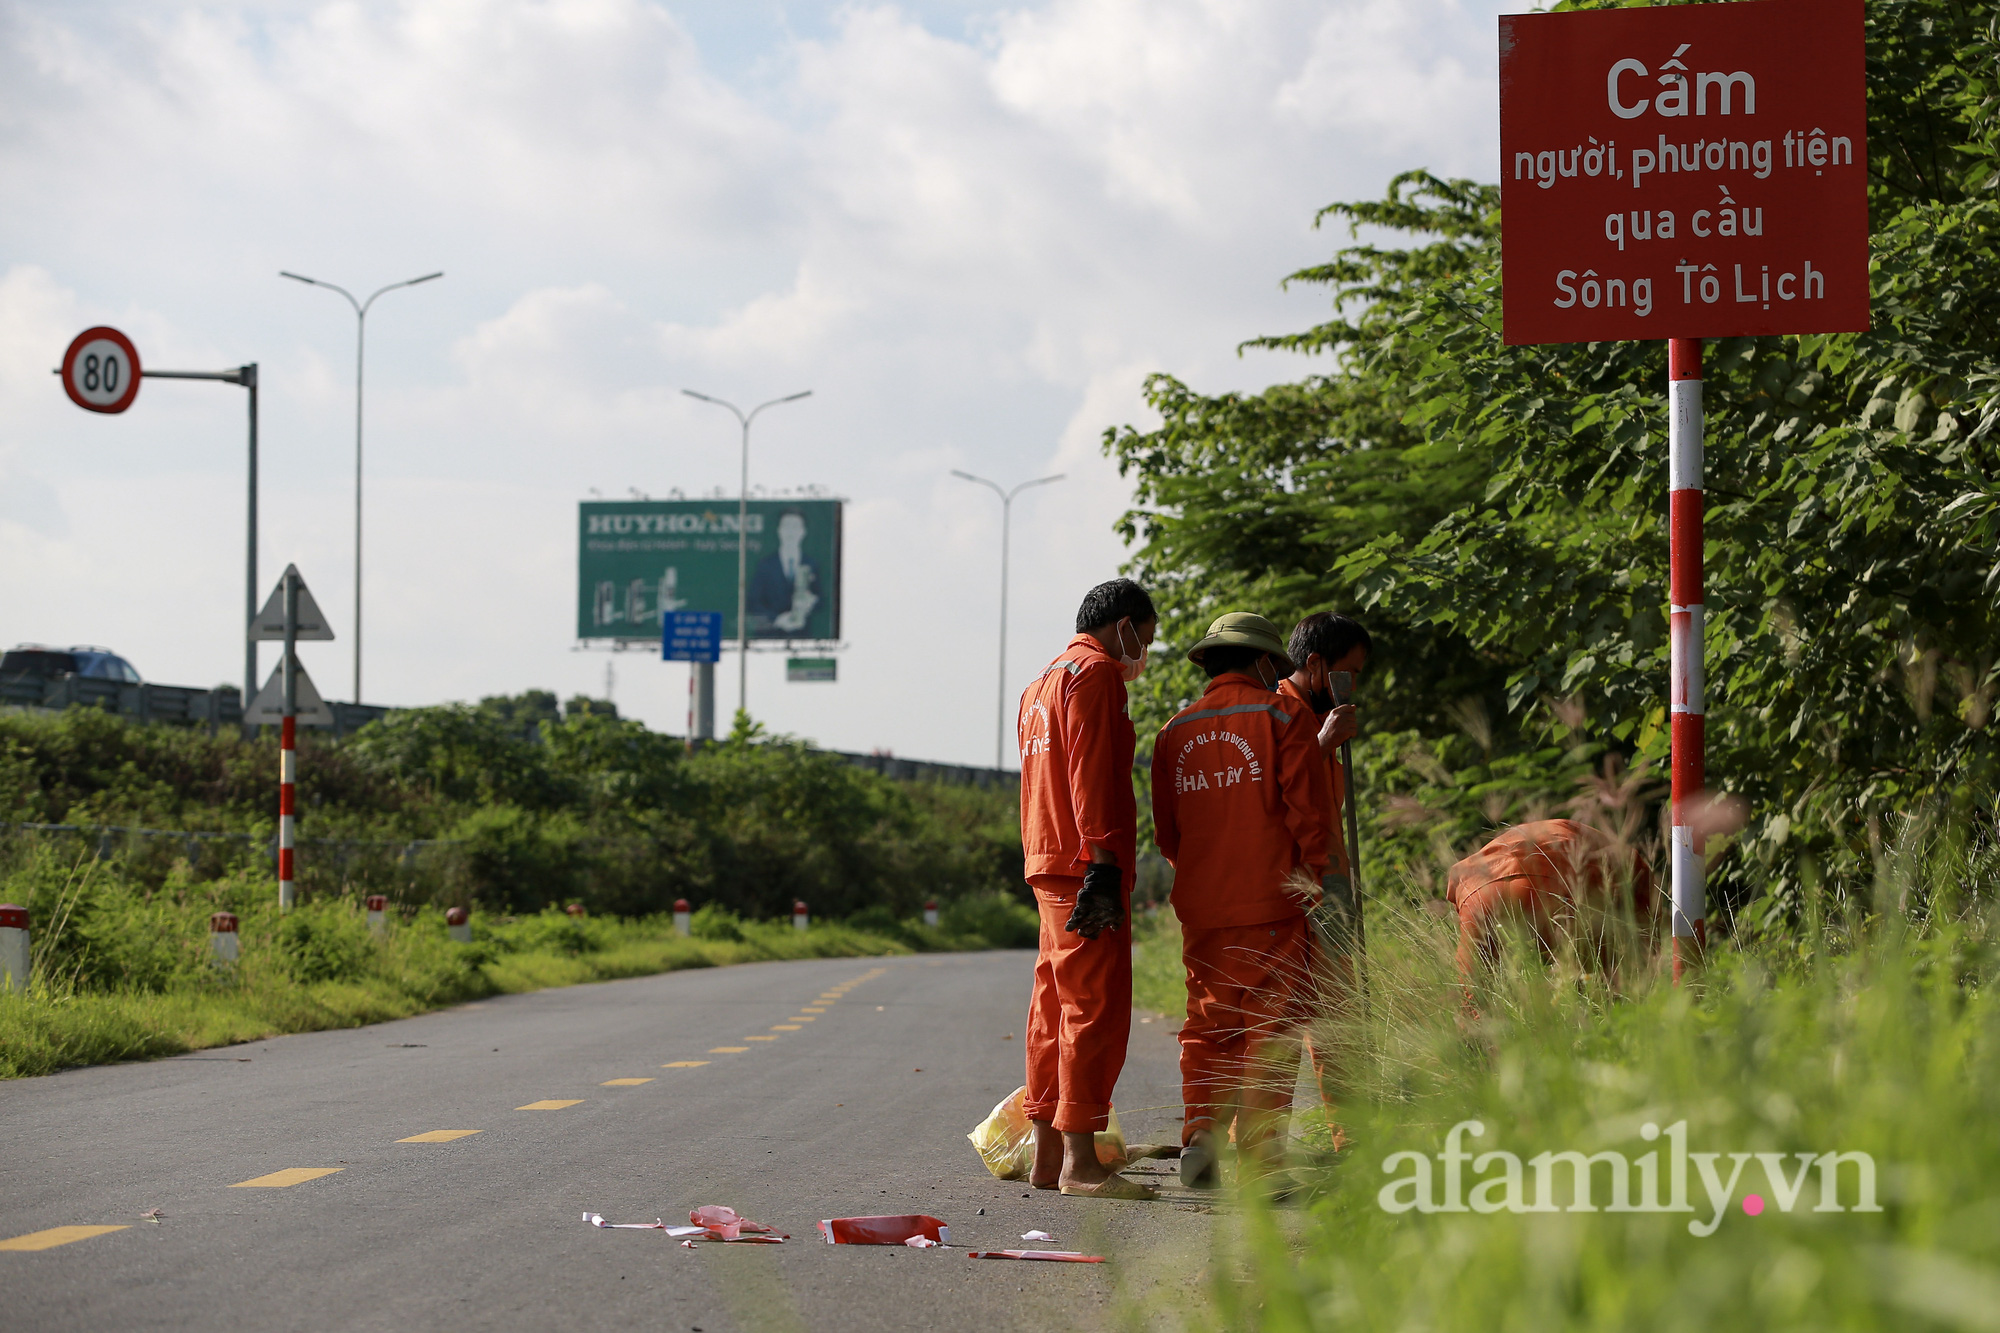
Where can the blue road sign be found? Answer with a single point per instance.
(691, 636)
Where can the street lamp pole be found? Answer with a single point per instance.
(743, 540)
(1006, 521)
(360, 347)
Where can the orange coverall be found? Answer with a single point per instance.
(1335, 979)
(1076, 795)
(1539, 873)
(1240, 809)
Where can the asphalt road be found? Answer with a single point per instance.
(746, 1088)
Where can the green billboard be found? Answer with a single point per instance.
(637, 558)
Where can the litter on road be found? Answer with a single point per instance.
(1036, 1235)
(710, 1222)
(883, 1230)
(597, 1220)
(1055, 1256)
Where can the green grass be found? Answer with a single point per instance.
(1874, 1031)
(119, 976)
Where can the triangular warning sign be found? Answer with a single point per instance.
(270, 622)
(269, 705)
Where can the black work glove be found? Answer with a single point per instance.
(1100, 903)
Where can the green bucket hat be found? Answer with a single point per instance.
(1244, 629)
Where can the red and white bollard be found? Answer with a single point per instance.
(378, 913)
(1686, 695)
(222, 936)
(683, 918)
(931, 913)
(15, 957)
(458, 924)
(799, 917)
(288, 776)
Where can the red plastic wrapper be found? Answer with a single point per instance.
(1057, 1256)
(883, 1230)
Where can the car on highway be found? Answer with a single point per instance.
(36, 661)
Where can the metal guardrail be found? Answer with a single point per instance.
(919, 770)
(219, 707)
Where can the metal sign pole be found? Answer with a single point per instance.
(287, 748)
(1685, 688)
(249, 381)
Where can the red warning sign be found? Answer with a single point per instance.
(1687, 171)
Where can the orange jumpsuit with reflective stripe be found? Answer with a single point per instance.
(1240, 809)
(1076, 794)
(1538, 874)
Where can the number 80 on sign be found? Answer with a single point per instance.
(100, 371)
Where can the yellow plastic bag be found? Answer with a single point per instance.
(1006, 1139)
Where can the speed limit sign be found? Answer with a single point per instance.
(100, 370)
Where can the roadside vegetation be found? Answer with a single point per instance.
(1875, 1031)
(1497, 516)
(509, 808)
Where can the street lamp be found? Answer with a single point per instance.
(1006, 518)
(360, 345)
(743, 540)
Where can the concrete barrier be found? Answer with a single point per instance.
(458, 924)
(378, 913)
(683, 918)
(14, 952)
(222, 937)
(931, 913)
(800, 918)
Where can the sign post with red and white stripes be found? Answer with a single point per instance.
(1685, 694)
(1684, 172)
(289, 699)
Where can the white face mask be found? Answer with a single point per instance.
(1264, 664)
(1134, 666)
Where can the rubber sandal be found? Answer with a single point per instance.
(1117, 1187)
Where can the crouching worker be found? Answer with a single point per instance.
(1240, 804)
(1080, 833)
(1559, 880)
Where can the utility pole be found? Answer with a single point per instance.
(1006, 520)
(360, 349)
(743, 540)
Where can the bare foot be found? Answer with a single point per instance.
(1046, 1174)
(1080, 1165)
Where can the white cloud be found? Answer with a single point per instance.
(971, 244)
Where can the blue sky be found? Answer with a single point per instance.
(971, 230)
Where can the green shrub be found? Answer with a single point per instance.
(1000, 919)
(323, 942)
(709, 922)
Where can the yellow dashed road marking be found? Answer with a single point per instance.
(784, 1027)
(549, 1104)
(727, 1050)
(802, 1018)
(623, 1082)
(760, 1039)
(439, 1136)
(54, 1236)
(684, 1064)
(291, 1175)
(811, 1010)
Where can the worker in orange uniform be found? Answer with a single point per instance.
(1558, 878)
(1320, 645)
(1240, 808)
(1080, 834)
